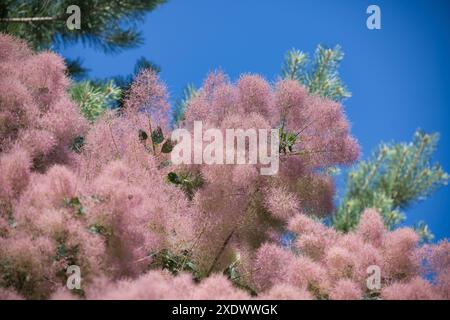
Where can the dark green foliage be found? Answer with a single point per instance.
(158, 143)
(17, 276)
(75, 69)
(287, 141)
(124, 82)
(173, 178)
(143, 63)
(233, 274)
(143, 136)
(174, 263)
(396, 176)
(67, 253)
(157, 136)
(100, 230)
(109, 25)
(76, 204)
(167, 147)
(78, 144)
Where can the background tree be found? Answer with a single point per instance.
(396, 176)
(94, 98)
(320, 76)
(189, 92)
(109, 25)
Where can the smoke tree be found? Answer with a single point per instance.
(140, 227)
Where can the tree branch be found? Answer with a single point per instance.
(222, 249)
(33, 19)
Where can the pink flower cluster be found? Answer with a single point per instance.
(110, 209)
(241, 209)
(105, 210)
(333, 265)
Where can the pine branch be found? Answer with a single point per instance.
(322, 76)
(33, 19)
(396, 176)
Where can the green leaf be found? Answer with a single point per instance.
(157, 136)
(173, 177)
(167, 147)
(164, 164)
(81, 211)
(287, 141)
(143, 135)
(72, 202)
(61, 252)
(100, 230)
(78, 144)
(76, 204)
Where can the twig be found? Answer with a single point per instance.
(33, 19)
(113, 140)
(222, 249)
(151, 136)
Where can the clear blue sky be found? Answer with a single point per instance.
(399, 76)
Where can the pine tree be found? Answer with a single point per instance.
(396, 176)
(189, 92)
(321, 76)
(95, 98)
(105, 24)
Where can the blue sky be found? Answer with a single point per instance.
(399, 76)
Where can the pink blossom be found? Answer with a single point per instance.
(281, 203)
(147, 94)
(415, 289)
(398, 253)
(346, 290)
(286, 292)
(6, 294)
(271, 265)
(371, 227)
